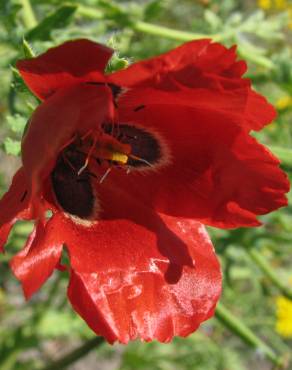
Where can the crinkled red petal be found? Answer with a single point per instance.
(190, 59)
(217, 173)
(126, 283)
(14, 205)
(69, 112)
(70, 63)
(37, 261)
(190, 74)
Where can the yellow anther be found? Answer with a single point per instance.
(119, 157)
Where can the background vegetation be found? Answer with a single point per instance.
(253, 324)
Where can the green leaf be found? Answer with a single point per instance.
(54, 324)
(115, 12)
(27, 49)
(285, 155)
(214, 21)
(11, 146)
(152, 9)
(59, 19)
(8, 14)
(16, 123)
(17, 82)
(254, 55)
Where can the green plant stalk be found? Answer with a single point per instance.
(75, 355)
(170, 33)
(149, 28)
(237, 327)
(264, 266)
(88, 12)
(28, 15)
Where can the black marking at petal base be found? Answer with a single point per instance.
(139, 107)
(74, 193)
(116, 90)
(23, 196)
(144, 144)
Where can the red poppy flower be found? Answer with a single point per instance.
(132, 165)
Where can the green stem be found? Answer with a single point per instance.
(149, 28)
(91, 13)
(75, 355)
(264, 266)
(239, 328)
(170, 33)
(28, 15)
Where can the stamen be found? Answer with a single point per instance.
(140, 159)
(105, 175)
(83, 167)
(68, 162)
(88, 157)
(145, 147)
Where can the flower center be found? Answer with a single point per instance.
(145, 148)
(92, 157)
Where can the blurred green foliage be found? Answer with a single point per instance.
(256, 262)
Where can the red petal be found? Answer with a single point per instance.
(245, 107)
(194, 58)
(259, 112)
(218, 174)
(13, 206)
(131, 281)
(190, 74)
(36, 262)
(70, 63)
(149, 72)
(71, 111)
(4, 233)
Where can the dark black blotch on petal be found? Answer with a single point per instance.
(73, 192)
(115, 89)
(144, 144)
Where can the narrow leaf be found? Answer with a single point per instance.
(59, 19)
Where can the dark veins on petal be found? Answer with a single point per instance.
(73, 192)
(144, 144)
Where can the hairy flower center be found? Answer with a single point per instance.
(92, 157)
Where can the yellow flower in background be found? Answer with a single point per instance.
(284, 317)
(273, 4)
(265, 4)
(277, 5)
(281, 4)
(284, 102)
